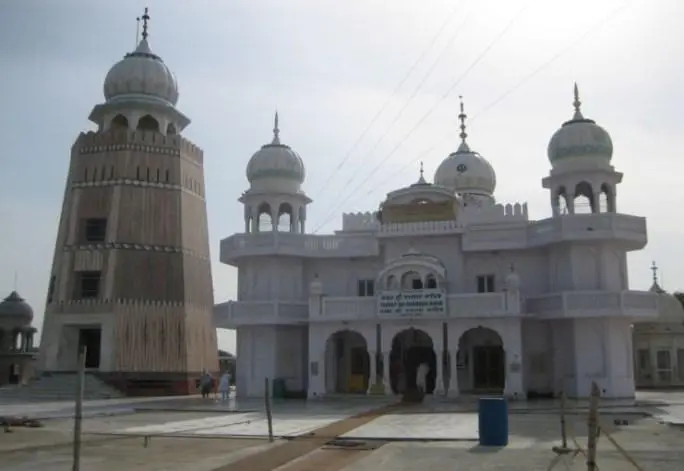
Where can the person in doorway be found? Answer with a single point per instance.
(224, 385)
(421, 377)
(205, 384)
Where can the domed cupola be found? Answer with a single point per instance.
(580, 141)
(15, 307)
(276, 166)
(141, 75)
(465, 171)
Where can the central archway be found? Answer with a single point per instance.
(481, 362)
(410, 348)
(347, 363)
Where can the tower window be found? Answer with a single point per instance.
(157, 175)
(365, 288)
(85, 174)
(485, 283)
(167, 176)
(111, 172)
(88, 284)
(148, 174)
(51, 288)
(94, 230)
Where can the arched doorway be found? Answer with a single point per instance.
(481, 361)
(347, 363)
(410, 348)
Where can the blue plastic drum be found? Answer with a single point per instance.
(493, 421)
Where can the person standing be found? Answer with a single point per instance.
(205, 384)
(224, 385)
(421, 377)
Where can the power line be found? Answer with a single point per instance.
(610, 16)
(477, 60)
(422, 55)
(417, 89)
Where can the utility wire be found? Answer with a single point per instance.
(382, 109)
(477, 60)
(415, 92)
(595, 26)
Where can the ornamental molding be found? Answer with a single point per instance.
(137, 247)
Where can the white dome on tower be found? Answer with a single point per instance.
(141, 75)
(276, 166)
(465, 171)
(580, 139)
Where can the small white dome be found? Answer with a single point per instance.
(580, 138)
(466, 171)
(276, 161)
(141, 74)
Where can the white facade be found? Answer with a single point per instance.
(492, 300)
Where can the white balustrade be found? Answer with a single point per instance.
(573, 304)
(230, 314)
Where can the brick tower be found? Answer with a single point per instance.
(131, 276)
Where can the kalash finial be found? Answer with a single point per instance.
(577, 104)
(421, 179)
(462, 117)
(654, 269)
(276, 130)
(145, 18)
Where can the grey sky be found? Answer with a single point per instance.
(328, 67)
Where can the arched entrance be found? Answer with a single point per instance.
(410, 348)
(481, 361)
(347, 363)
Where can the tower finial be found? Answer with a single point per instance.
(462, 117)
(145, 18)
(276, 130)
(654, 269)
(421, 179)
(577, 104)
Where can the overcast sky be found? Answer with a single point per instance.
(329, 67)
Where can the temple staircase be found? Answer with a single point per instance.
(58, 387)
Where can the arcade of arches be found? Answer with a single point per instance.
(480, 362)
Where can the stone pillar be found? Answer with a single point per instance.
(386, 373)
(373, 376)
(453, 370)
(439, 374)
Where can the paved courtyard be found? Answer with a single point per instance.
(189, 433)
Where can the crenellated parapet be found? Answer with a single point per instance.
(360, 222)
(146, 141)
(509, 212)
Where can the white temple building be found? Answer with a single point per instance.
(493, 300)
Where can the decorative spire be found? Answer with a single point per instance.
(655, 287)
(276, 130)
(462, 117)
(145, 18)
(137, 31)
(422, 178)
(577, 104)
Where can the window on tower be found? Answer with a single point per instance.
(365, 288)
(88, 284)
(94, 230)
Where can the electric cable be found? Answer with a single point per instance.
(384, 106)
(477, 60)
(610, 16)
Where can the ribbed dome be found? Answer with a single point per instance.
(141, 74)
(276, 161)
(580, 138)
(466, 171)
(14, 306)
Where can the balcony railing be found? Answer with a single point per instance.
(287, 243)
(233, 313)
(572, 304)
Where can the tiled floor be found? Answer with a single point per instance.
(435, 426)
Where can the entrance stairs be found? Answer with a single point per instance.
(58, 387)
